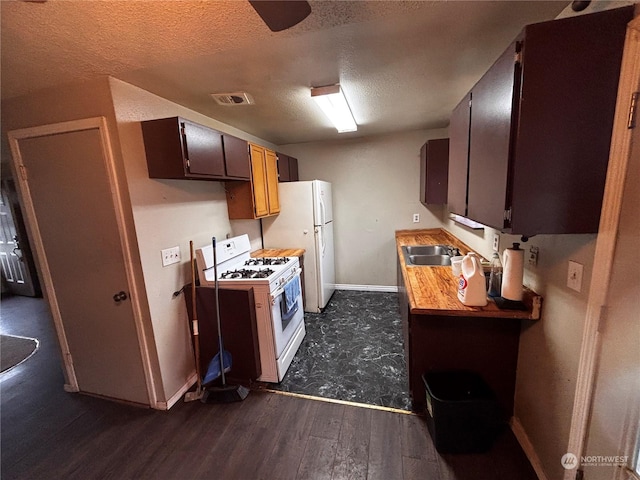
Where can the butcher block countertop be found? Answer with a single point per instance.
(278, 252)
(434, 290)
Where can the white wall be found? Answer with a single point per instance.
(375, 183)
(168, 213)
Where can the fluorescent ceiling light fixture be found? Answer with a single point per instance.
(332, 102)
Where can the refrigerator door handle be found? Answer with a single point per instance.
(323, 213)
(321, 240)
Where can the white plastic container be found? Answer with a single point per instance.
(472, 286)
(456, 265)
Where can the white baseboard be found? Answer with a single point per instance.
(177, 396)
(367, 288)
(527, 447)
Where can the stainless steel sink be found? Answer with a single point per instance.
(432, 260)
(427, 249)
(429, 255)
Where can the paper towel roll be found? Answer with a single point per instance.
(513, 271)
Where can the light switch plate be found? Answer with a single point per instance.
(574, 276)
(170, 256)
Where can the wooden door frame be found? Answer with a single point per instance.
(21, 174)
(605, 246)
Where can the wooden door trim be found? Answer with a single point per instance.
(605, 244)
(99, 123)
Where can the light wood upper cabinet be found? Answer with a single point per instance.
(271, 162)
(259, 197)
(259, 179)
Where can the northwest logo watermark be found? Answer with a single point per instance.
(570, 461)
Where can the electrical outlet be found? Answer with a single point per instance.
(416, 217)
(496, 242)
(170, 256)
(533, 256)
(574, 276)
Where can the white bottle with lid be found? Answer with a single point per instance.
(472, 287)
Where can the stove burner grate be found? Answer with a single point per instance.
(267, 261)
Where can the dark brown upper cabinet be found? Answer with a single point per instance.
(459, 157)
(492, 116)
(236, 157)
(434, 171)
(539, 128)
(177, 148)
(287, 168)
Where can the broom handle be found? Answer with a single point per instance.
(196, 341)
(220, 347)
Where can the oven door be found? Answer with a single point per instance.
(285, 326)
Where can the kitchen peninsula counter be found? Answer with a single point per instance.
(434, 290)
(440, 333)
(278, 252)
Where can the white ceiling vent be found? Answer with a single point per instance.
(236, 98)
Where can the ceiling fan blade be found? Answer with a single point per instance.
(281, 14)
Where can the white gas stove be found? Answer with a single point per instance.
(277, 291)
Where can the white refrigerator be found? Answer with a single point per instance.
(306, 221)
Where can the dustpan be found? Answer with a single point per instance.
(213, 370)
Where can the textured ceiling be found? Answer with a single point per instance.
(403, 65)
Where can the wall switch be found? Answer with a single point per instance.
(533, 256)
(496, 242)
(416, 217)
(170, 256)
(574, 276)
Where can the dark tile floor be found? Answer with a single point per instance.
(352, 351)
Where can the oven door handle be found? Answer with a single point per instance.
(280, 289)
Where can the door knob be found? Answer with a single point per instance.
(120, 296)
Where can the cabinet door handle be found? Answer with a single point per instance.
(120, 296)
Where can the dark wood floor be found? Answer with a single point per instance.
(47, 433)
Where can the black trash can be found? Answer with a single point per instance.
(463, 413)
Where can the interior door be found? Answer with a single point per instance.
(72, 219)
(605, 423)
(614, 424)
(15, 258)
